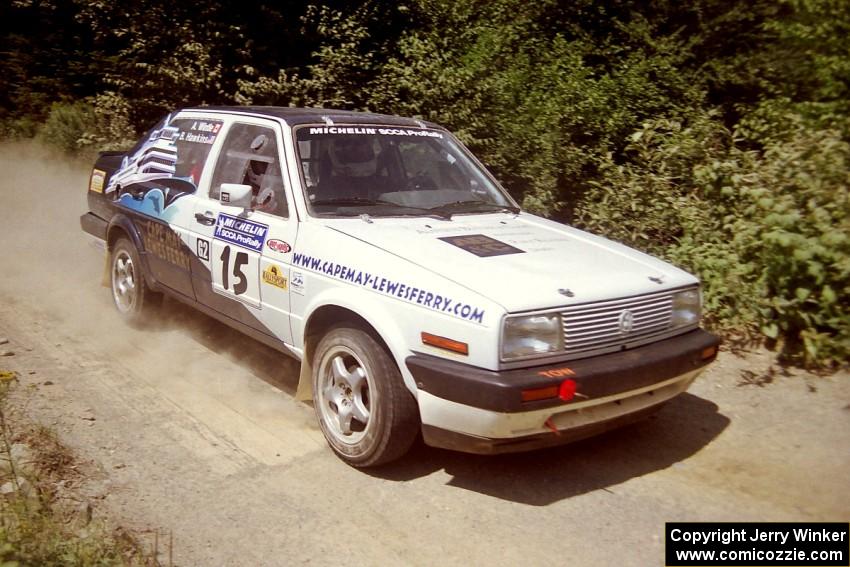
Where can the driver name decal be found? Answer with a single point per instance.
(241, 232)
(481, 245)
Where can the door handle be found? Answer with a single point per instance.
(205, 218)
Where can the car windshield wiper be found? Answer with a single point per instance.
(448, 208)
(350, 201)
(361, 202)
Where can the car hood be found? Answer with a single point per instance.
(523, 262)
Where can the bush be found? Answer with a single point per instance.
(111, 128)
(766, 230)
(20, 128)
(66, 124)
(86, 127)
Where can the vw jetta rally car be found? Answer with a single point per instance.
(416, 294)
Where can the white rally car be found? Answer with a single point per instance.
(416, 294)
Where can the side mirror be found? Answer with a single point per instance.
(235, 195)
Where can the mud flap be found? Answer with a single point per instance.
(304, 392)
(106, 279)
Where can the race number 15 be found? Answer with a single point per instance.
(239, 261)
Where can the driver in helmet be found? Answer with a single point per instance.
(354, 163)
(263, 198)
(353, 156)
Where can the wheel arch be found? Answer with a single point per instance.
(329, 314)
(122, 226)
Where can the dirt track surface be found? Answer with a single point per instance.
(192, 430)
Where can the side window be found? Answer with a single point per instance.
(249, 156)
(194, 139)
(172, 153)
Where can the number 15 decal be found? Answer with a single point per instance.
(240, 261)
(236, 273)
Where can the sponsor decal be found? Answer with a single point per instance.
(273, 276)
(203, 249)
(557, 373)
(357, 130)
(390, 287)
(481, 245)
(297, 282)
(96, 181)
(160, 240)
(279, 246)
(225, 197)
(241, 232)
(170, 161)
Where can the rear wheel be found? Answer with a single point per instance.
(130, 293)
(366, 413)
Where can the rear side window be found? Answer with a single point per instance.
(175, 150)
(250, 156)
(194, 139)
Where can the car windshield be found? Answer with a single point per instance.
(392, 171)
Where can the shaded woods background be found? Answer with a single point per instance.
(712, 133)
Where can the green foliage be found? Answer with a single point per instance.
(32, 531)
(66, 125)
(36, 537)
(88, 126)
(711, 132)
(343, 66)
(111, 128)
(766, 231)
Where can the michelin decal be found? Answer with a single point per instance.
(241, 232)
(357, 130)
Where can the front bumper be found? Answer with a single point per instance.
(481, 411)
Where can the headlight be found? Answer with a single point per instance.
(529, 335)
(686, 308)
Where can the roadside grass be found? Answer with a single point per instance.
(35, 529)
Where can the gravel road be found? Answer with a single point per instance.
(191, 430)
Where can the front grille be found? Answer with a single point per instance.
(597, 326)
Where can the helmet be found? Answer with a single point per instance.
(353, 156)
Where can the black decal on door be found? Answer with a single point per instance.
(240, 260)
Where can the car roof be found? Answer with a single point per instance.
(294, 116)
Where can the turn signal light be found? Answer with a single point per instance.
(566, 390)
(536, 394)
(709, 352)
(444, 343)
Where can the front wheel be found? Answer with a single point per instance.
(366, 413)
(130, 293)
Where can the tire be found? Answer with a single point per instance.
(366, 413)
(131, 295)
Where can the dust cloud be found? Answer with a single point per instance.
(50, 276)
